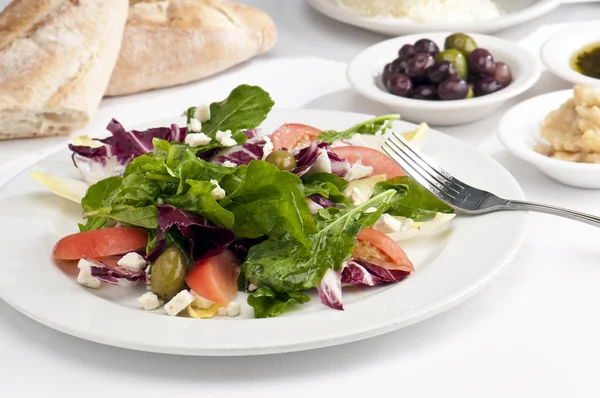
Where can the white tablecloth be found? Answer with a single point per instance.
(533, 332)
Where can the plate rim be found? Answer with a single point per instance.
(424, 311)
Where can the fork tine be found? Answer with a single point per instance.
(432, 167)
(422, 178)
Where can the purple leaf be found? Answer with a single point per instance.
(330, 290)
(321, 201)
(253, 149)
(363, 273)
(306, 158)
(115, 274)
(205, 240)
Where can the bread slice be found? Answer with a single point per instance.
(171, 42)
(56, 58)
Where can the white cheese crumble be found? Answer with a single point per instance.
(232, 309)
(356, 197)
(268, 148)
(179, 303)
(196, 140)
(132, 262)
(85, 276)
(387, 224)
(371, 210)
(201, 302)
(224, 137)
(202, 113)
(218, 193)
(227, 163)
(149, 301)
(194, 126)
(358, 171)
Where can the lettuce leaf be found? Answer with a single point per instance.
(418, 204)
(268, 304)
(326, 185)
(283, 264)
(371, 126)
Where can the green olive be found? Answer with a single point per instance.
(282, 159)
(461, 42)
(458, 60)
(471, 93)
(167, 277)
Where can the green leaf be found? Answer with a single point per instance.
(264, 198)
(145, 217)
(418, 204)
(92, 224)
(283, 264)
(371, 126)
(267, 303)
(327, 185)
(102, 194)
(198, 199)
(245, 108)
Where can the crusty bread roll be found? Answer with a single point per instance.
(56, 58)
(171, 42)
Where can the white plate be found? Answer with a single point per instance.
(515, 12)
(364, 75)
(519, 132)
(559, 49)
(450, 268)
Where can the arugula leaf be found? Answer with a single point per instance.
(267, 303)
(93, 223)
(285, 265)
(245, 108)
(418, 204)
(264, 198)
(371, 126)
(327, 185)
(198, 199)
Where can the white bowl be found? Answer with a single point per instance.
(559, 49)
(519, 132)
(364, 75)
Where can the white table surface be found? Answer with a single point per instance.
(532, 332)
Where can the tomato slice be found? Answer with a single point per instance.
(379, 249)
(291, 135)
(215, 278)
(381, 163)
(100, 243)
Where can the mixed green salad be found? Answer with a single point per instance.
(201, 212)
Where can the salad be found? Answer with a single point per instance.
(201, 212)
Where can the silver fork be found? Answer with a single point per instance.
(459, 195)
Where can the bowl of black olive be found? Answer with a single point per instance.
(443, 78)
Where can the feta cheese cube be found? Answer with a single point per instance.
(132, 262)
(387, 224)
(149, 301)
(224, 137)
(196, 140)
(371, 210)
(179, 303)
(222, 311)
(268, 148)
(227, 163)
(194, 126)
(202, 113)
(234, 309)
(201, 302)
(218, 193)
(356, 197)
(85, 276)
(358, 171)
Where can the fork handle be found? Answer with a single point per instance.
(556, 211)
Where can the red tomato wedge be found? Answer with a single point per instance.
(291, 135)
(372, 243)
(215, 278)
(381, 163)
(100, 243)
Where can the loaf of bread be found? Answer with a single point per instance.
(56, 59)
(170, 42)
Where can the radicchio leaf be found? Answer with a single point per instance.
(306, 159)
(205, 240)
(111, 272)
(363, 273)
(255, 148)
(321, 201)
(330, 290)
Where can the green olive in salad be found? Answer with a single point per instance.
(168, 274)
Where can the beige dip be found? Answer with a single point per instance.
(573, 130)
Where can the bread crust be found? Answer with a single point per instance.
(172, 42)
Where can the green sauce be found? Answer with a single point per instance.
(587, 61)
